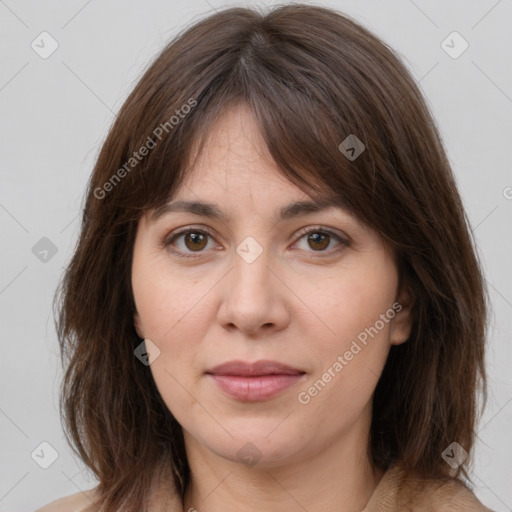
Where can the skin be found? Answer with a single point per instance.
(291, 305)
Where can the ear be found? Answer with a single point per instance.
(138, 325)
(401, 324)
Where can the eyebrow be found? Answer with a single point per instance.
(212, 211)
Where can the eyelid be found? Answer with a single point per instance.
(342, 237)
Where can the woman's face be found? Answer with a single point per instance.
(301, 310)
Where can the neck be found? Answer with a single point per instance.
(339, 478)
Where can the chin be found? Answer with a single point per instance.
(257, 443)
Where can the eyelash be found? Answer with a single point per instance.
(168, 241)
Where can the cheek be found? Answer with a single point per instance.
(176, 327)
(351, 306)
(172, 315)
(356, 314)
(166, 301)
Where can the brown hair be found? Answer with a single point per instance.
(312, 77)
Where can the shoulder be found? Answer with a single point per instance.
(160, 501)
(400, 491)
(452, 496)
(78, 502)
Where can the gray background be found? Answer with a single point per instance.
(56, 112)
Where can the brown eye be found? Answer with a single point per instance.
(187, 242)
(195, 241)
(319, 241)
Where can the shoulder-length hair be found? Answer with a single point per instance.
(313, 78)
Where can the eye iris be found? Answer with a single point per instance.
(195, 237)
(315, 238)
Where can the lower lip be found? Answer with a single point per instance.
(253, 389)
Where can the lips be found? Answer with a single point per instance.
(256, 369)
(260, 380)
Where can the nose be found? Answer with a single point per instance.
(254, 297)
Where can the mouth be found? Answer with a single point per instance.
(257, 381)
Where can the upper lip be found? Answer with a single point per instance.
(254, 369)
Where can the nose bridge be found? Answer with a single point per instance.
(251, 272)
(251, 299)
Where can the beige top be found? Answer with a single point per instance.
(395, 493)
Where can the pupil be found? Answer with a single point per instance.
(315, 239)
(195, 237)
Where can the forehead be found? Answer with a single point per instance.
(234, 162)
(233, 143)
(234, 171)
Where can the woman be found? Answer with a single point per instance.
(275, 302)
